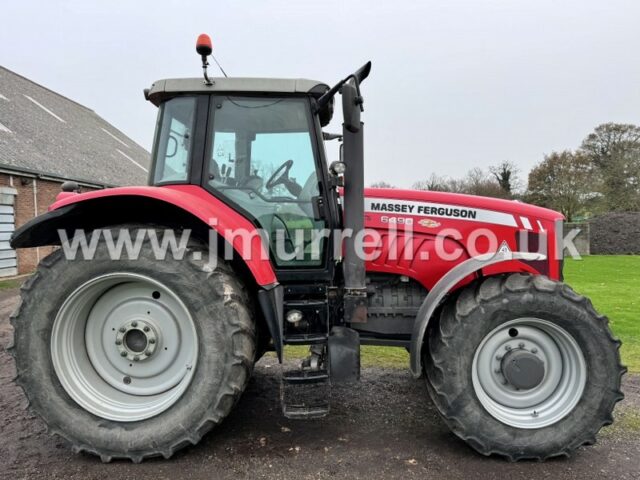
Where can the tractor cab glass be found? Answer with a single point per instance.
(174, 140)
(262, 159)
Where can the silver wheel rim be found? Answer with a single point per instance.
(124, 347)
(557, 393)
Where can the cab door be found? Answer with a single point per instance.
(263, 158)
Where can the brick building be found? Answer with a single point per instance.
(45, 140)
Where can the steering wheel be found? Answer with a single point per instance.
(280, 176)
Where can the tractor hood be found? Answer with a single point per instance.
(410, 222)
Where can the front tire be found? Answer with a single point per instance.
(133, 358)
(523, 367)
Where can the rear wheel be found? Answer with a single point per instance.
(523, 367)
(133, 358)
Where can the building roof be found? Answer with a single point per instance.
(162, 89)
(48, 135)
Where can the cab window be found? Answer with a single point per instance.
(175, 140)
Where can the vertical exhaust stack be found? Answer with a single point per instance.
(355, 295)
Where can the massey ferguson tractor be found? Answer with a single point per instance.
(127, 351)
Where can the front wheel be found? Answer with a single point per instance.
(523, 367)
(133, 358)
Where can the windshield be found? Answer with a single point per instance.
(262, 159)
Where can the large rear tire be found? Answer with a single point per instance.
(133, 358)
(523, 367)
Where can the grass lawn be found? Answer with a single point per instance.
(612, 283)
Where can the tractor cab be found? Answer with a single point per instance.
(255, 144)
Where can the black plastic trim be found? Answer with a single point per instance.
(272, 305)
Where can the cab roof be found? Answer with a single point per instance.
(170, 87)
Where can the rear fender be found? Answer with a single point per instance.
(446, 285)
(171, 206)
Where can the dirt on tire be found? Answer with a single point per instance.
(385, 427)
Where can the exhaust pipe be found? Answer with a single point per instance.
(355, 295)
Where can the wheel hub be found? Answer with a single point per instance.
(522, 369)
(136, 340)
(528, 373)
(124, 346)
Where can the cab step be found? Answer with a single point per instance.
(305, 394)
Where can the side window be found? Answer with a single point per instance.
(175, 140)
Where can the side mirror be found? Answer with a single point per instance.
(351, 107)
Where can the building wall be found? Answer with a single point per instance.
(33, 198)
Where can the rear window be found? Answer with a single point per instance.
(175, 140)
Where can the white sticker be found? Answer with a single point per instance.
(441, 210)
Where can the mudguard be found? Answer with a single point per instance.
(192, 199)
(446, 285)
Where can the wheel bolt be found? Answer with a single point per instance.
(148, 353)
(118, 342)
(152, 341)
(134, 324)
(136, 358)
(521, 345)
(534, 350)
(146, 329)
(498, 357)
(507, 347)
(123, 354)
(122, 329)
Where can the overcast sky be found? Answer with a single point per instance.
(454, 84)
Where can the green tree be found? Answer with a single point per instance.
(614, 151)
(563, 181)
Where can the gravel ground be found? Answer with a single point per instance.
(385, 427)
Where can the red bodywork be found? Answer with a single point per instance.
(433, 215)
(428, 215)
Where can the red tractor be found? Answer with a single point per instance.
(128, 351)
